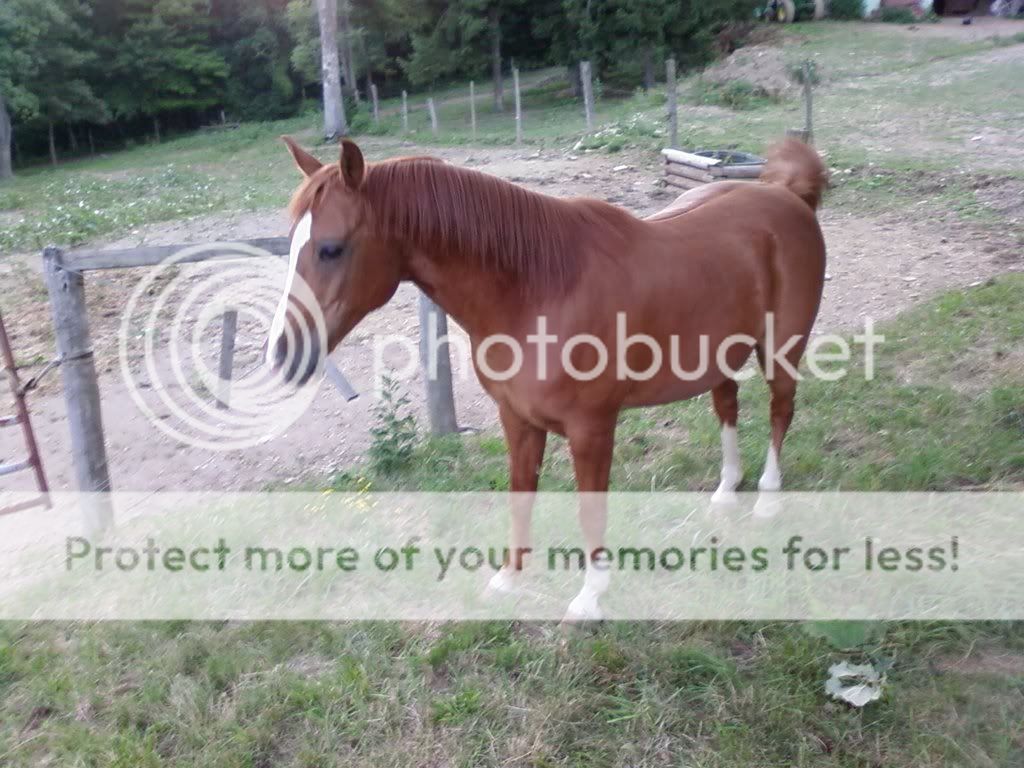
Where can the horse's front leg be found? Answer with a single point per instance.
(525, 457)
(592, 445)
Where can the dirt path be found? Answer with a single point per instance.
(877, 267)
(980, 28)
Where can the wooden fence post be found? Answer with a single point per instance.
(405, 112)
(808, 123)
(472, 108)
(673, 103)
(437, 367)
(519, 106)
(81, 388)
(588, 94)
(376, 104)
(433, 116)
(229, 327)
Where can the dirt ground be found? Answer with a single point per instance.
(877, 267)
(980, 28)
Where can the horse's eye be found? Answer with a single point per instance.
(331, 250)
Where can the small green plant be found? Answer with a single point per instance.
(394, 436)
(796, 73)
(846, 9)
(457, 708)
(897, 16)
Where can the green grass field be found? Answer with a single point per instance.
(946, 412)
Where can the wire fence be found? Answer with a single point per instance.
(535, 105)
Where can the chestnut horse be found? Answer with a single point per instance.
(731, 266)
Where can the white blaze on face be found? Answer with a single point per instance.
(300, 237)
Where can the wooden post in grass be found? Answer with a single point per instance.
(808, 122)
(519, 106)
(437, 367)
(588, 94)
(81, 387)
(376, 104)
(673, 102)
(433, 116)
(229, 328)
(405, 112)
(472, 108)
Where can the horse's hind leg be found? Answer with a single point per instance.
(726, 403)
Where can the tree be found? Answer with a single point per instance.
(165, 61)
(6, 136)
(334, 108)
(494, 23)
(44, 64)
(303, 30)
(253, 38)
(348, 61)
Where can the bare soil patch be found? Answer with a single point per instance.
(762, 66)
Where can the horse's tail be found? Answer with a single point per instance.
(796, 166)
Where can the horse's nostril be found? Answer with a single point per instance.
(280, 351)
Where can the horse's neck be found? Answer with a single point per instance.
(472, 295)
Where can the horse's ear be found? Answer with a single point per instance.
(352, 164)
(305, 161)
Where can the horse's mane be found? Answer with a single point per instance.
(539, 239)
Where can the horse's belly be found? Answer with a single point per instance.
(683, 375)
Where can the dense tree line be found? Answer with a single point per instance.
(76, 74)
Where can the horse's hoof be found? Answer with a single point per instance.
(502, 584)
(768, 504)
(583, 608)
(725, 497)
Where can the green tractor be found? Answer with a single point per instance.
(787, 11)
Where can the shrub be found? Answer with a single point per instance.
(846, 9)
(394, 435)
(897, 16)
(796, 73)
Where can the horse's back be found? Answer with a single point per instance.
(738, 225)
(730, 253)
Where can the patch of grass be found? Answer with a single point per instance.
(637, 129)
(457, 708)
(735, 94)
(79, 207)
(725, 695)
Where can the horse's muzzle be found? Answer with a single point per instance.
(299, 364)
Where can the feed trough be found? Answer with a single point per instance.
(688, 170)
